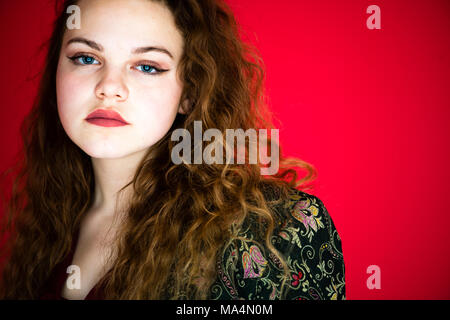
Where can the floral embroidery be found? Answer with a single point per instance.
(307, 212)
(308, 241)
(297, 277)
(253, 261)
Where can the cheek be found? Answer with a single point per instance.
(158, 107)
(70, 92)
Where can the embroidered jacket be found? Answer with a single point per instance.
(310, 244)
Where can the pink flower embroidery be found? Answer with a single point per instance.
(303, 218)
(253, 261)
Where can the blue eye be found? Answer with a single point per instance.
(83, 60)
(147, 68)
(88, 60)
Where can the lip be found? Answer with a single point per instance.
(106, 118)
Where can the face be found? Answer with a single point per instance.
(108, 64)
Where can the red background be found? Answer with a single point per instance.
(369, 108)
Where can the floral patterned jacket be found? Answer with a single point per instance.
(310, 244)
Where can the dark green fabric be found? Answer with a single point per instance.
(308, 240)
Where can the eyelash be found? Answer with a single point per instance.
(76, 57)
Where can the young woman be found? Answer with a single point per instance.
(99, 208)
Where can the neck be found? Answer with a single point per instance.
(110, 176)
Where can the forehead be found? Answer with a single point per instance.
(128, 24)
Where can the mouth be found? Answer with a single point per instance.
(106, 118)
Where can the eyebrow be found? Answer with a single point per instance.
(140, 50)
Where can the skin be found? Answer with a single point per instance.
(114, 78)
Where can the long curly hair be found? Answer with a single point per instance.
(180, 215)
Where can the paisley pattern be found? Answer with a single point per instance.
(310, 244)
(253, 260)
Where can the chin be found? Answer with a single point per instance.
(105, 152)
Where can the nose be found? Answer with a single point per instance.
(112, 86)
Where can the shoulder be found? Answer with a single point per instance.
(307, 240)
(308, 214)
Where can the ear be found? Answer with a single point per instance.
(184, 107)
